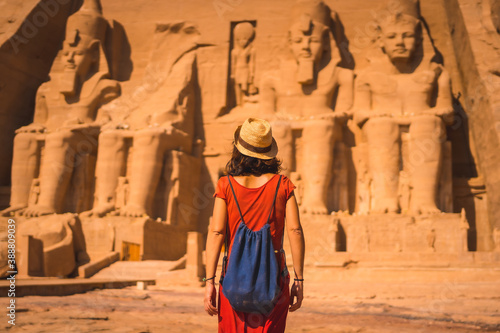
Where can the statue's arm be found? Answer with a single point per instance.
(362, 100)
(251, 64)
(444, 101)
(108, 91)
(41, 109)
(346, 91)
(268, 93)
(233, 63)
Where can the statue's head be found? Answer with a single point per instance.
(243, 34)
(310, 37)
(82, 54)
(400, 33)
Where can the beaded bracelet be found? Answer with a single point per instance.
(300, 280)
(205, 279)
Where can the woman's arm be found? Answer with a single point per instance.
(297, 245)
(215, 239)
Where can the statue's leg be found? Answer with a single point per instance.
(145, 170)
(282, 132)
(62, 149)
(25, 165)
(111, 164)
(384, 161)
(426, 137)
(317, 164)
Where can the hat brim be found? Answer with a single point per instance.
(263, 156)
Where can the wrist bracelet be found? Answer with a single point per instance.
(300, 280)
(205, 279)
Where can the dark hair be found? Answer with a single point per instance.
(242, 165)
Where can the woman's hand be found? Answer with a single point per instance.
(210, 296)
(296, 295)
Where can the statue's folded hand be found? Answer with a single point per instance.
(31, 128)
(446, 113)
(113, 125)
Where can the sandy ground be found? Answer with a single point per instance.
(337, 300)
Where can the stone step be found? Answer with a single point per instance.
(147, 269)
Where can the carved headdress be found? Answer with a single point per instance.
(309, 15)
(400, 11)
(85, 29)
(87, 24)
(315, 10)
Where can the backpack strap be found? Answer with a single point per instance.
(235, 200)
(226, 239)
(274, 200)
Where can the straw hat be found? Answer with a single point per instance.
(255, 139)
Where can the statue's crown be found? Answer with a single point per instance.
(87, 23)
(317, 10)
(408, 7)
(399, 10)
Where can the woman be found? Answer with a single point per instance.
(253, 175)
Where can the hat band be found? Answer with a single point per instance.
(254, 149)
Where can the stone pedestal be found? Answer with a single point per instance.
(152, 240)
(321, 236)
(30, 261)
(440, 233)
(51, 245)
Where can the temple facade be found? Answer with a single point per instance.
(117, 121)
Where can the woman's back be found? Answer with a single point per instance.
(253, 181)
(256, 203)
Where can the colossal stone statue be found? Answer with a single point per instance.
(301, 94)
(65, 113)
(160, 118)
(243, 62)
(403, 90)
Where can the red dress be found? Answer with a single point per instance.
(255, 204)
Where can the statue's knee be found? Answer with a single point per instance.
(110, 138)
(282, 129)
(319, 127)
(58, 139)
(24, 141)
(148, 137)
(428, 126)
(381, 127)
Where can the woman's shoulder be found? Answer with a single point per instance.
(286, 180)
(287, 186)
(223, 181)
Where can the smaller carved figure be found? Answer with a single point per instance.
(243, 62)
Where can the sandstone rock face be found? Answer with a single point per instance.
(385, 114)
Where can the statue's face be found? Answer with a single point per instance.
(78, 58)
(400, 40)
(308, 45)
(242, 41)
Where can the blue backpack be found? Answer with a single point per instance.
(250, 279)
